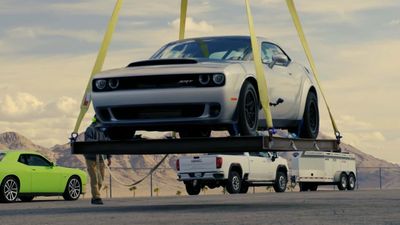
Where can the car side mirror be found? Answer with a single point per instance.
(274, 156)
(279, 59)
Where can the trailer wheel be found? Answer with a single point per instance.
(342, 185)
(313, 187)
(351, 183)
(280, 181)
(303, 187)
(192, 188)
(234, 184)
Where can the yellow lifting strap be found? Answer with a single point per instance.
(184, 5)
(310, 58)
(99, 64)
(259, 66)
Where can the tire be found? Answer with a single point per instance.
(351, 182)
(304, 187)
(310, 123)
(313, 187)
(192, 188)
(73, 189)
(234, 184)
(194, 133)
(120, 133)
(248, 108)
(342, 185)
(244, 189)
(280, 181)
(27, 198)
(9, 189)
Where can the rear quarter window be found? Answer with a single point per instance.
(2, 156)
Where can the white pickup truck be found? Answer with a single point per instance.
(234, 171)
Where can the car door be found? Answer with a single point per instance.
(269, 166)
(256, 163)
(45, 177)
(284, 82)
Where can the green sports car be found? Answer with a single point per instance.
(25, 174)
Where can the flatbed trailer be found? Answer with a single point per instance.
(203, 145)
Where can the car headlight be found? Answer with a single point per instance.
(113, 83)
(204, 79)
(101, 84)
(218, 78)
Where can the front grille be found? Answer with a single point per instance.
(158, 111)
(156, 82)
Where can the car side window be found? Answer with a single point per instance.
(22, 159)
(36, 160)
(268, 50)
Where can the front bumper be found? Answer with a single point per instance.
(157, 109)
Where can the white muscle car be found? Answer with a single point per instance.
(197, 85)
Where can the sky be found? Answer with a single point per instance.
(48, 48)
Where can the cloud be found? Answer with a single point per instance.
(193, 26)
(90, 36)
(395, 22)
(20, 105)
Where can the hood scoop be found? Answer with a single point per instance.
(158, 62)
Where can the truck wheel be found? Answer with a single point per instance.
(280, 182)
(310, 124)
(192, 188)
(234, 184)
(342, 185)
(351, 183)
(248, 107)
(245, 188)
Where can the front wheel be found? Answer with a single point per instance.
(9, 189)
(248, 107)
(73, 189)
(310, 124)
(280, 182)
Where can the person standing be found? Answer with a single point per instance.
(95, 163)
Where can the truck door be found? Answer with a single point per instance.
(256, 165)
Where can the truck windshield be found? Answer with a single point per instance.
(2, 156)
(217, 48)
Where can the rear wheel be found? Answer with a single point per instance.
(26, 198)
(9, 189)
(248, 107)
(280, 181)
(73, 189)
(187, 133)
(310, 124)
(234, 184)
(120, 133)
(351, 183)
(342, 185)
(193, 187)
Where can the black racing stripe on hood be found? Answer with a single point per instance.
(156, 62)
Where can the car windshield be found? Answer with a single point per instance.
(2, 156)
(217, 48)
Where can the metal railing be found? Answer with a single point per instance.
(162, 182)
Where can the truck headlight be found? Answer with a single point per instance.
(218, 78)
(101, 84)
(113, 83)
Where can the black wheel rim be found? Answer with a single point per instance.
(250, 109)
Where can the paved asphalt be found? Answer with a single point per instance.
(311, 208)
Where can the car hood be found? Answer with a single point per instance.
(168, 67)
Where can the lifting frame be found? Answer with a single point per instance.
(206, 145)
